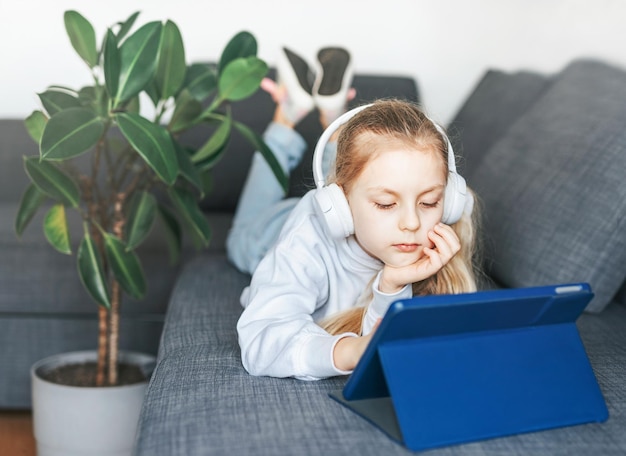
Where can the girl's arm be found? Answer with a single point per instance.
(348, 351)
(277, 334)
(380, 303)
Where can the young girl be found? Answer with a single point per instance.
(317, 296)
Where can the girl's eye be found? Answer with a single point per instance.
(430, 205)
(383, 206)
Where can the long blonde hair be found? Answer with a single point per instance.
(360, 139)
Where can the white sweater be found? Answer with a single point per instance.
(304, 278)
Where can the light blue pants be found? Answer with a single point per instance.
(262, 207)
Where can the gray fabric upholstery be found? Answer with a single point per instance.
(497, 101)
(14, 144)
(202, 402)
(553, 188)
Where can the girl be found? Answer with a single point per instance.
(316, 296)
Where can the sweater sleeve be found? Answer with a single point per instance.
(380, 303)
(277, 334)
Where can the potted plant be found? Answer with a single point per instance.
(111, 152)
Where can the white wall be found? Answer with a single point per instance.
(446, 44)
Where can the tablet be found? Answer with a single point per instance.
(447, 369)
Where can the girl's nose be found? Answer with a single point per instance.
(410, 220)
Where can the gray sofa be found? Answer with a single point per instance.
(547, 156)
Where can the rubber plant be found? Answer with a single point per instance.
(123, 170)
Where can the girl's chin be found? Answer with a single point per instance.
(403, 261)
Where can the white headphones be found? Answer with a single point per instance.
(334, 206)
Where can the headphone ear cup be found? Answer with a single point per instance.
(454, 199)
(335, 210)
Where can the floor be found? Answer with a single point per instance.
(16, 434)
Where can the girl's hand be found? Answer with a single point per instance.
(348, 351)
(446, 244)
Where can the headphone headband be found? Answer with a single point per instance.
(318, 153)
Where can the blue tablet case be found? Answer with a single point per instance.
(449, 369)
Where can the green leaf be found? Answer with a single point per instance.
(186, 113)
(35, 123)
(126, 26)
(126, 266)
(201, 80)
(52, 181)
(56, 230)
(138, 55)
(31, 201)
(133, 105)
(216, 142)
(206, 177)
(153, 93)
(241, 78)
(171, 69)
(187, 168)
(82, 37)
(209, 163)
(188, 208)
(141, 215)
(57, 100)
(152, 142)
(257, 141)
(70, 133)
(112, 63)
(173, 234)
(96, 99)
(91, 270)
(242, 44)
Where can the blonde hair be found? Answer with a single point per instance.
(360, 140)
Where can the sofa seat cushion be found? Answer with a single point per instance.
(553, 187)
(201, 400)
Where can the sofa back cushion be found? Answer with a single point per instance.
(14, 144)
(553, 189)
(497, 101)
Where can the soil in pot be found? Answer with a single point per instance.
(84, 374)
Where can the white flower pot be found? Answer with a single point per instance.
(86, 421)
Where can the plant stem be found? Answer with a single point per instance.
(116, 294)
(114, 325)
(104, 330)
(103, 319)
(214, 105)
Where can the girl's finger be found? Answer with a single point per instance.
(449, 237)
(441, 244)
(434, 263)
